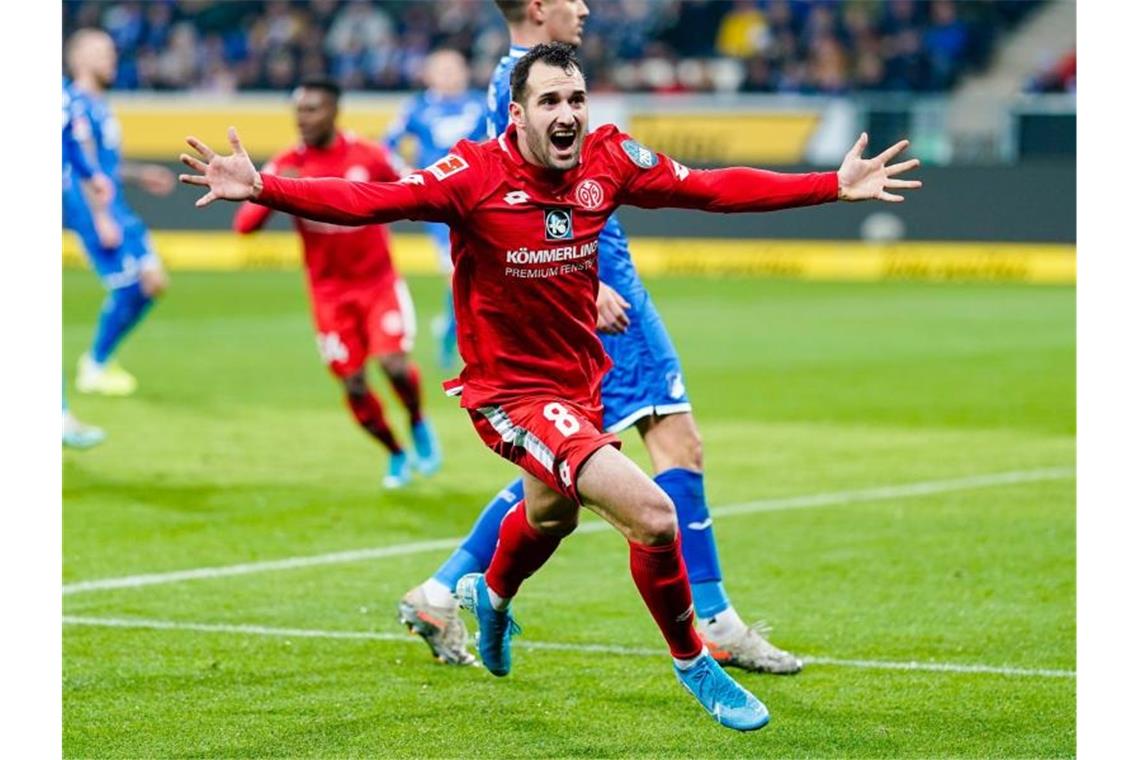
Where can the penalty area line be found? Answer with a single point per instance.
(808, 501)
(545, 646)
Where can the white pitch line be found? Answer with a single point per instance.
(828, 499)
(548, 646)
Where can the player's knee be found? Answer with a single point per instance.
(690, 450)
(355, 385)
(558, 527)
(657, 521)
(394, 365)
(154, 282)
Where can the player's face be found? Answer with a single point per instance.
(555, 117)
(446, 73)
(316, 116)
(104, 60)
(564, 20)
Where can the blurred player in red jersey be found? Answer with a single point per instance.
(525, 212)
(361, 306)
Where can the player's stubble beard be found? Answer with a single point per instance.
(541, 145)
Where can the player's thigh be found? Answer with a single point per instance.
(616, 488)
(672, 440)
(341, 339)
(390, 322)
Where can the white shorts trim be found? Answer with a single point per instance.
(661, 410)
(518, 436)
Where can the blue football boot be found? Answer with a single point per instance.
(428, 455)
(728, 702)
(399, 471)
(495, 628)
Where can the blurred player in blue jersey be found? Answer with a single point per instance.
(118, 244)
(645, 388)
(433, 121)
(79, 174)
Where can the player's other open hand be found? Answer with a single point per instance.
(231, 178)
(866, 179)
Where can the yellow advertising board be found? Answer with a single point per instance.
(798, 259)
(727, 138)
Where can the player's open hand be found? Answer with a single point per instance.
(865, 179)
(231, 178)
(612, 317)
(156, 179)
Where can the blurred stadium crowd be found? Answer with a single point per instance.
(822, 46)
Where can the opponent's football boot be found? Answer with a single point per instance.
(748, 649)
(440, 627)
(107, 380)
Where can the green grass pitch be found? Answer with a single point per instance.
(237, 449)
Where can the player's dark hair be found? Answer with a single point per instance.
(324, 85)
(514, 11)
(556, 54)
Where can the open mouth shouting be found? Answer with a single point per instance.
(563, 140)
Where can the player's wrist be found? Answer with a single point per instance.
(258, 185)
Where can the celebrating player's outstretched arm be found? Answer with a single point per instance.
(865, 179)
(232, 177)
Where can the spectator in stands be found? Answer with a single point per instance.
(797, 46)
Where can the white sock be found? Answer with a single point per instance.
(498, 602)
(438, 595)
(686, 664)
(723, 625)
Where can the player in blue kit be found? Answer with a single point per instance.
(79, 174)
(118, 244)
(433, 121)
(645, 388)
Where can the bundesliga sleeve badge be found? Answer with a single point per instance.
(639, 154)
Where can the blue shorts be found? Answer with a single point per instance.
(117, 267)
(646, 376)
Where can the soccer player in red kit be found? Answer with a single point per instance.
(361, 306)
(525, 211)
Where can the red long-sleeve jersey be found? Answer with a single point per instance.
(524, 241)
(337, 257)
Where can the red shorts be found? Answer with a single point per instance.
(354, 324)
(548, 437)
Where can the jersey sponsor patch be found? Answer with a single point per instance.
(589, 194)
(448, 166)
(639, 154)
(559, 223)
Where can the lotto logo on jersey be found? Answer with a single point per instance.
(448, 166)
(559, 224)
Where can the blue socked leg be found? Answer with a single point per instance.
(474, 554)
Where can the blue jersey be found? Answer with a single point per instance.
(436, 123)
(94, 145)
(74, 159)
(92, 123)
(615, 266)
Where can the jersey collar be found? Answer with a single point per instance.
(517, 51)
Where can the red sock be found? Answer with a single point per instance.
(520, 552)
(659, 574)
(370, 414)
(407, 387)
